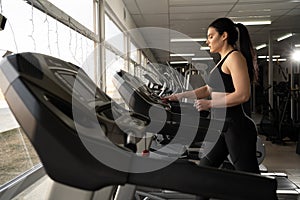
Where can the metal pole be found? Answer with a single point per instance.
(101, 49)
(270, 69)
(291, 87)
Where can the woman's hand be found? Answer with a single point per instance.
(173, 97)
(202, 104)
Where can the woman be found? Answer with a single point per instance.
(236, 70)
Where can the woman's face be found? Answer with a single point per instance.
(214, 40)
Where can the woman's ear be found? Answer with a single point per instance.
(224, 35)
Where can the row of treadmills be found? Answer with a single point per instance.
(87, 141)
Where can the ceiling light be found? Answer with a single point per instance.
(260, 46)
(274, 56)
(262, 10)
(204, 58)
(278, 60)
(262, 57)
(252, 17)
(285, 36)
(179, 62)
(204, 48)
(297, 45)
(182, 54)
(188, 40)
(250, 23)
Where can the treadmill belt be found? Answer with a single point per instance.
(285, 184)
(286, 189)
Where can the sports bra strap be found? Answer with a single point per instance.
(221, 63)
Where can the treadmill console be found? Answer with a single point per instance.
(141, 88)
(64, 87)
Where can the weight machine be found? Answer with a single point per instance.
(279, 122)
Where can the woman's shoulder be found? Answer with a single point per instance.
(236, 56)
(235, 59)
(236, 53)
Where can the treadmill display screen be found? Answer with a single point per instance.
(87, 92)
(84, 89)
(79, 89)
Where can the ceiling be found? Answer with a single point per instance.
(191, 18)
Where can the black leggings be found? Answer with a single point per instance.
(239, 141)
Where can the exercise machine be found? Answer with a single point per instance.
(174, 115)
(141, 99)
(81, 147)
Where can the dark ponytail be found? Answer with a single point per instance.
(226, 25)
(247, 50)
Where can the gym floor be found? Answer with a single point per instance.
(282, 158)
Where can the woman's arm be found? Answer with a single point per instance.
(236, 66)
(201, 92)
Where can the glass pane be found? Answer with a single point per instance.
(113, 35)
(113, 64)
(131, 68)
(16, 152)
(34, 31)
(73, 8)
(31, 30)
(143, 60)
(133, 52)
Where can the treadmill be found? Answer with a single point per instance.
(79, 135)
(141, 99)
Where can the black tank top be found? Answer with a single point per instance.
(220, 81)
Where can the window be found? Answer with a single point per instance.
(16, 153)
(73, 8)
(113, 64)
(114, 36)
(35, 31)
(131, 68)
(133, 52)
(143, 60)
(31, 30)
(115, 55)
